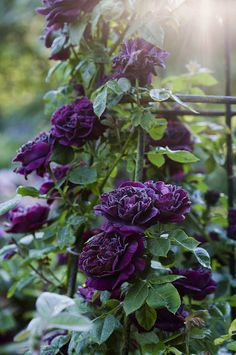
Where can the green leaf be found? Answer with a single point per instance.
(27, 191)
(135, 297)
(65, 237)
(124, 84)
(164, 295)
(22, 335)
(156, 159)
(146, 317)
(181, 103)
(77, 30)
(232, 346)
(7, 249)
(162, 279)
(159, 129)
(100, 102)
(160, 94)
(62, 155)
(159, 246)
(182, 239)
(9, 205)
(103, 328)
(83, 175)
(58, 44)
(114, 86)
(69, 321)
(181, 156)
(51, 304)
(202, 257)
(232, 328)
(146, 338)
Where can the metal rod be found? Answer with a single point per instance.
(229, 143)
(210, 99)
(210, 113)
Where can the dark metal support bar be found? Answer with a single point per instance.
(209, 99)
(210, 113)
(229, 156)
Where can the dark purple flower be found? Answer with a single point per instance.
(196, 282)
(132, 203)
(24, 220)
(212, 197)
(111, 258)
(35, 155)
(88, 292)
(171, 201)
(137, 60)
(64, 11)
(214, 236)
(176, 137)
(76, 123)
(170, 322)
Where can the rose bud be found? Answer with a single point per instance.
(176, 137)
(111, 258)
(171, 201)
(196, 282)
(131, 204)
(137, 60)
(76, 123)
(51, 33)
(170, 322)
(35, 155)
(24, 220)
(212, 197)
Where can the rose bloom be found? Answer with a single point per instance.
(176, 137)
(35, 155)
(171, 201)
(111, 258)
(76, 123)
(24, 220)
(137, 60)
(130, 204)
(64, 11)
(197, 282)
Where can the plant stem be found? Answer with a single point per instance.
(125, 350)
(140, 145)
(73, 264)
(140, 155)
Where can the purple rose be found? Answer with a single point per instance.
(111, 258)
(64, 11)
(171, 201)
(35, 155)
(212, 197)
(132, 203)
(197, 282)
(24, 220)
(176, 137)
(137, 61)
(76, 123)
(170, 322)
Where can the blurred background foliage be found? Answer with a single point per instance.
(196, 36)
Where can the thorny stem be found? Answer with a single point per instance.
(140, 145)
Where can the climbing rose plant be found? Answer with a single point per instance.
(117, 243)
